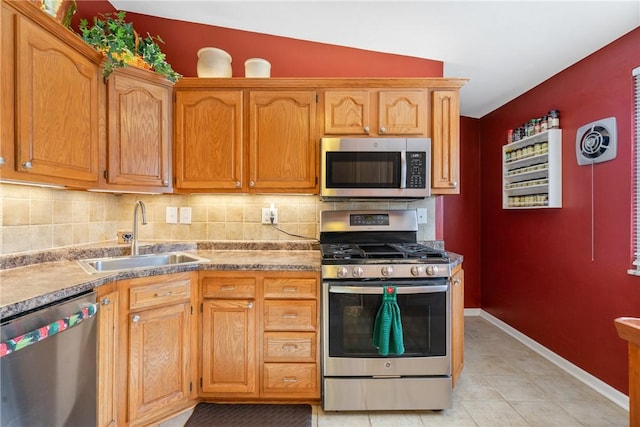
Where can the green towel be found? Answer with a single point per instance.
(387, 329)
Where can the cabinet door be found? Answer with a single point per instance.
(56, 107)
(208, 151)
(402, 112)
(282, 141)
(457, 325)
(159, 349)
(229, 360)
(139, 120)
(445, 142)
(347, 112)
(107, 356)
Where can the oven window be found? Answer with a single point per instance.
(352, 316)
(363, 169)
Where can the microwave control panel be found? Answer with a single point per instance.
(416, 169)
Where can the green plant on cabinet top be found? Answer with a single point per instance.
(122, 46)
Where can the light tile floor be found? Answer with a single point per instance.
(504, 383)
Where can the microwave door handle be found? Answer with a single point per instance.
(379, 290)
(403, 169)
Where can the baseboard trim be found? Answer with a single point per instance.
(580, 374)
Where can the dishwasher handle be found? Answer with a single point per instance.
(25, 340)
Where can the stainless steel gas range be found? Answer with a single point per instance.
(377, 278)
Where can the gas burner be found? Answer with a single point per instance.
(341, 251)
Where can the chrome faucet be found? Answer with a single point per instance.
(135, 248)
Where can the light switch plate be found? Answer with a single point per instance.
(422, 215)
(172, 215)
(185, 215)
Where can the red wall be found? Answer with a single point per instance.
(538, 274)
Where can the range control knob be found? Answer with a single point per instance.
(357, 272)
(387, 270)
(432, 270)
(342, 272)
(417, 270)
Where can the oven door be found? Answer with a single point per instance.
(349, 312)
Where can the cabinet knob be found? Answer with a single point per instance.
(135, 318)
(238, 184)
(1, 161)
(383, 130)
(252, 184)
(27, 164)
(454, 184)
(106, 301)
(250, 305)
(165, 183)
(456, 282)
(366, 129)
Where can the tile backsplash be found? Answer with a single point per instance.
(35, 218)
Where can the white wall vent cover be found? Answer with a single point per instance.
(596, 142)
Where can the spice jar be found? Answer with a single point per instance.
(554, 119)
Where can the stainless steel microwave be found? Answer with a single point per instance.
(373, 168)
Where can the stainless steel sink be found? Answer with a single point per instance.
(131, 262)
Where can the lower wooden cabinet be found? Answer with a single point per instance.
(457, 325)
(155, 347)
(108, 395)
(260, 336)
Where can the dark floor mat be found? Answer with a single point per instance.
(229, 415)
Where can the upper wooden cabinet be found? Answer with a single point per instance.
(229, 139)
(376, 112)
(50, 100)
(138, 108)
(445, 142)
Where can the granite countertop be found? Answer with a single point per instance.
(32, 280)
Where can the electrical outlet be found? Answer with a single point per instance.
(266, 215)
(185, 215)
(422, 215)
(172, 215)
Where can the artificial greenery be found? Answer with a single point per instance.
(122, 46)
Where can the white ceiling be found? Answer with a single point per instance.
(504, 47)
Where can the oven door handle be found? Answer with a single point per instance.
(379, 290)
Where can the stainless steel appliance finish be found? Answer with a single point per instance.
(363, 252)
(53, 381)
(365, 168)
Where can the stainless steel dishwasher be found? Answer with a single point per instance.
(48, 365)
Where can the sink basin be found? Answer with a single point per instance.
(119, 263)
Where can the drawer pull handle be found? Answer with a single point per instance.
(228, 288)
(289, 347)
(163, 294)
(290, 380)
(290, 315)
(290, 289)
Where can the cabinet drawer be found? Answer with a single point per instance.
(161, 291)
(290, 315)
(275, 287)
(229, 287)
(282, 377)
(290, 347)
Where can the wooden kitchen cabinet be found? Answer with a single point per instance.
(108, 393)
(139, 129)
(260, 335)
(208, 151)
(229, 358)
(445, 141)
(457, 325)
(245, 141)
(376, 112)
(156, 367)
(50, 100)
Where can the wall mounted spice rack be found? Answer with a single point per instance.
(532, 172)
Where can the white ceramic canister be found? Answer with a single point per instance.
(213, 62)
(257, 67)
